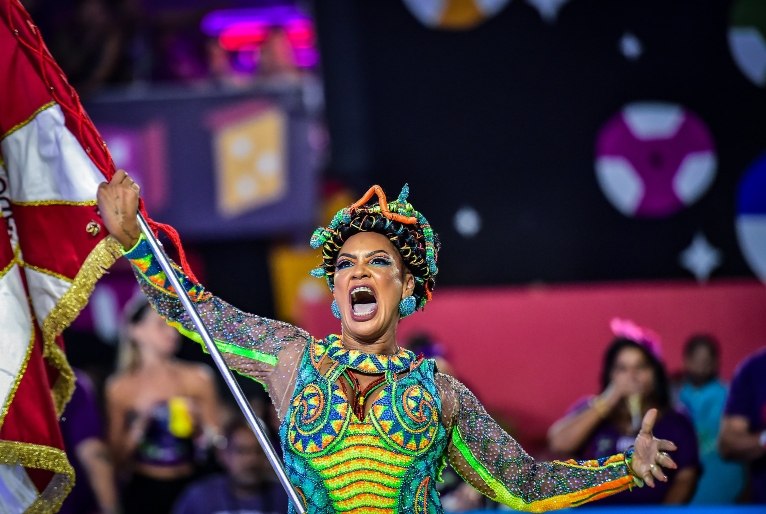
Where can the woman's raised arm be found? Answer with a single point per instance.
(495, 464)
(264, 349)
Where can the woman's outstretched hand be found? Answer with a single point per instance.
(650, 454)
(118, 206)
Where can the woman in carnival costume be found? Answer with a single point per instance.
(368, 426)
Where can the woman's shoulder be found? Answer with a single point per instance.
(194, 372)
(120, 384)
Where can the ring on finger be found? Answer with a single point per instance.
(652, 467)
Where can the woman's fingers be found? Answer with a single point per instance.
(665, 460)
(647, 424)
(648, 478)
(666, 446)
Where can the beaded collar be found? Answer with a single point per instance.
(368, 362)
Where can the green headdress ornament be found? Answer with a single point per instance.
(406, 228)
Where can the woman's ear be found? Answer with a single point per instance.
(409, 284)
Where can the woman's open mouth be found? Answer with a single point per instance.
(363, 303)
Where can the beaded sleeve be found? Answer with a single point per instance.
(496, 465)
(250, 344)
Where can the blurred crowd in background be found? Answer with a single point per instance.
(120, 43)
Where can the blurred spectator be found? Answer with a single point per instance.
(703, 395)
(162, 412)
(90, 47)
(425, 344)
(276, 63)
(220, 70)
(743, 429)
(633, 380)
(249, 486)
(95, 488)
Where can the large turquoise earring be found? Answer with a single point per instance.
(407, 306)
(336, 310)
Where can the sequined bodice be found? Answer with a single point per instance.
(386, 462)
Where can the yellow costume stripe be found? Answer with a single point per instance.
(351, 490)
(618, 459)
(369, 451)
(364, 501)
(362, 463)
(338, 482)
(370, 510)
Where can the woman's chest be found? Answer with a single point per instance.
(329, 413)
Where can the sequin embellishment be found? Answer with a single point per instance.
(406, 416)
(368, 362)
(313, 424)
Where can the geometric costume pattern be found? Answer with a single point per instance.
(418, 420)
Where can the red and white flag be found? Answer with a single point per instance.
(52, 251)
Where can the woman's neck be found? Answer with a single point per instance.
(153, 361)
(381, 346)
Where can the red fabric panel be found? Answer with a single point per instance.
(54, 236)
(19, 103)
(31, 417)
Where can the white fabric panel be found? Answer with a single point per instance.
(45, 291)
(16, 329)
(17, 492)
(46, 162)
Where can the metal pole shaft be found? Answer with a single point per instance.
(239, 396)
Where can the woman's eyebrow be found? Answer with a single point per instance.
(367, 255)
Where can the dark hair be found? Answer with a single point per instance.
(127, 353)
(236, 422)
(702, 341)
(661, 393)
(136, 309)
(407, 239)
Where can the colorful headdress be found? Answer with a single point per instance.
(645, 337)
(406, 228)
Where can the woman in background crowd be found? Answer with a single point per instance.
(633, 380)
(161, 412)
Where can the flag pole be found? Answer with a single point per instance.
(228, 376)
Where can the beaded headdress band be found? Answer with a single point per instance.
(399, 215)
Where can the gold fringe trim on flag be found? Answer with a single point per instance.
(19, 374)
(100, 259)
(41, 457)
(37, 203)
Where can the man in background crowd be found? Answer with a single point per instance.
(703, 395)
(249, 485)
(743, 429)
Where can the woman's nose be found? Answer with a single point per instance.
(360, 270)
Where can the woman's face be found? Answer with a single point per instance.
(370, 281)
(152, 334)
(633, 372)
